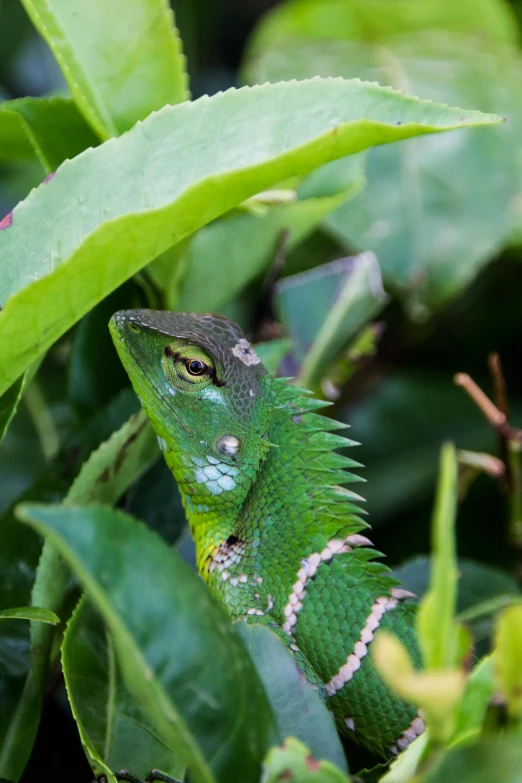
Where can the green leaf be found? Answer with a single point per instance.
(52, 129)
(440, 191)
(241, 246)
(112, 209)
(9, 402)
(106, 474)
(496, 759)
(293, 762)
(180, 656)
(114, 730)
(372, 20)
(404, 767)
(116, 464)
(297, 708)
(154, 498)
(30, 613)
(122, 60)
(436, 626)
(346, 175)
(19, 708)
(508, 654)
(15, 145)
(480, 689)
(325, 307)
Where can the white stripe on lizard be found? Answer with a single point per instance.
(414, 730)
(308, 570)
(353, 662)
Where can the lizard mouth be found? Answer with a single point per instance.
(124, 326)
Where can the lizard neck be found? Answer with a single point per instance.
(231, 509)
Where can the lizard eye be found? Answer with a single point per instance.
(187, 367)
(196, 367)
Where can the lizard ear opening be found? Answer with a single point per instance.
(228, 445)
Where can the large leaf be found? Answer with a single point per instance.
(114, 731)
(19, 556)
(371, 20)
(121, 58)
(112, 209)
(180, 656)
(52, 129)
(104, 477)
(298, 710)
(496, 759)
(432, 216)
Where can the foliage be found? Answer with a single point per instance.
(255, 202)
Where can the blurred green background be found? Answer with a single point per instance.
(442, 214)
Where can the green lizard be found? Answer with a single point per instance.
(277, 538)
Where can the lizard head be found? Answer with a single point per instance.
(200, 383)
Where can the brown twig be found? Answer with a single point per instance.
(499, 383)
(495, 416)
(510, 441)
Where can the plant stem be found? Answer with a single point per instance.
(42, 420)
(515, 494)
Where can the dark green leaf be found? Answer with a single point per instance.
(20, 552)
(106, 474)
(298, 710)
(155, 499)
(468, 212)
(52, 129)
(115, 732)
(181, 658)
(95, 372)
